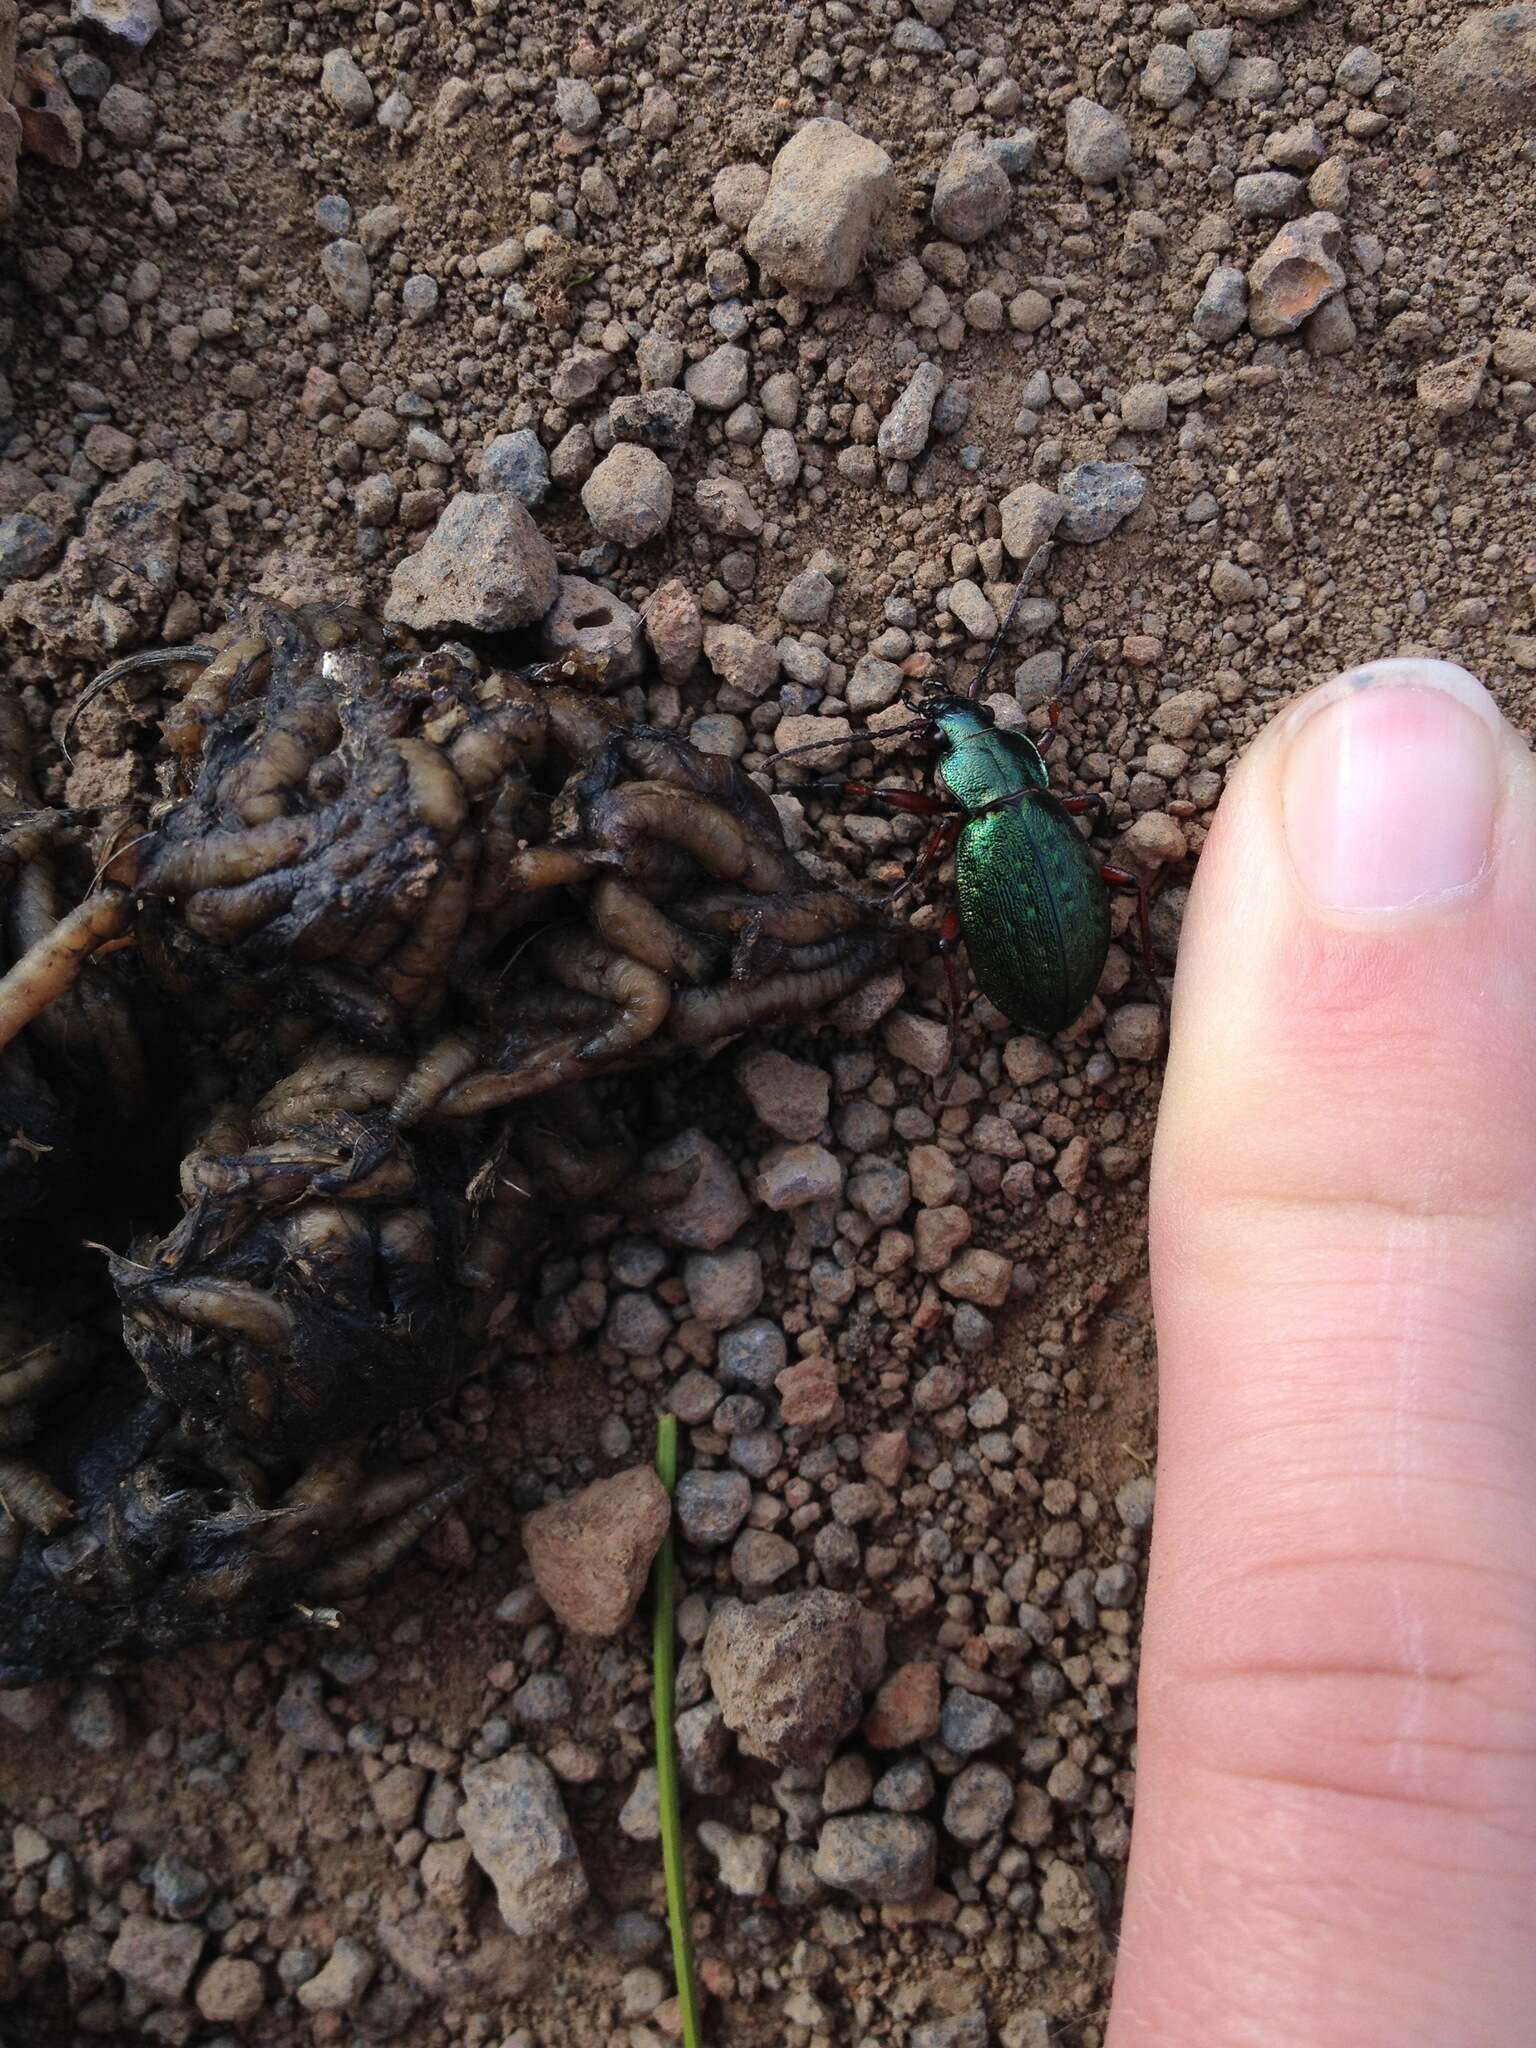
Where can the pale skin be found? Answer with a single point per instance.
(1335, 1833)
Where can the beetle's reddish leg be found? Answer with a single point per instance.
(915, 802)
(943, 837)
(1080, 806)
(1121, 878)
(949, 940)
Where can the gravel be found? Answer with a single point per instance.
(886, 1858)
(515, 1823)
(1098, 143)
(628, 497)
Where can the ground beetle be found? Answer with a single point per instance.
(1031, 898)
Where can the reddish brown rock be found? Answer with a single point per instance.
(808, 1393)
(590, 1554)
(906, 1708)
(674, 625)
(1447, 390)
(1297, 273)
(886, 1456)
(790, 1674)
(740, 658)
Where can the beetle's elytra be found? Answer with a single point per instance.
(1034, 909)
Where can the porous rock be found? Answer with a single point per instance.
(1485, 76)
(1098, 143)
(116, 577)
(887, 1858)
(1297, 273)
(590, 1554)
(828, 189)
(628, 497)
(973, 195)
(586, 619)
(791, 1673)
(484, 568)
(515, 1822)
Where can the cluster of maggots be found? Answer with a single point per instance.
(368, 968)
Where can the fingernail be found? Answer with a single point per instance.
(1390, 785)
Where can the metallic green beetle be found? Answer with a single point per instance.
(1032, 902)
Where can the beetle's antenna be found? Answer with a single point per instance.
(1036, 561)
(851, 739)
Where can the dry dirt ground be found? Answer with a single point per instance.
(1304, 510)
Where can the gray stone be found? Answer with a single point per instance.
(715, 1206)
(156, 1958)
(973, 195)
(640, 1815)
(828, 189)
(127, 115)
(517, 466)
(904, 431)
(628, 497)
(1223, 304)
(1029, 515)
(1169, 75)
(344, 266)
(1144, 408)
(969, 604)
(1098, 497)
(790, 1176)
(744, 1863)
(418, 297)
(1098, 143)
(129, 25)
(515, 1823)
(484, 568)
(301, 1715)
(181, 1890)
(959, 2030)
(719, 380)
(906, 1787)
(886, 1858)
(790, 1674)
(27, 546)
(577, 107)
(1015, 152)
(661, 418)
(1256, 79)
(917, 39)
(724, 1287)
(806, 599)
(339, 1985)
(979, 1801)
(1263, 10)
(780, 458)
(1211, 49)
(969, 1724)
(711, 1506)
(346, 87)
(588, 620)
(1266, 195)
(703, 1742)
(752, 1355)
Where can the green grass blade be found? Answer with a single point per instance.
(663, 1666)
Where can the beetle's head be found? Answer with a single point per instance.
(934, 706)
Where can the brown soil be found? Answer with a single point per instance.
(1366, 529)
